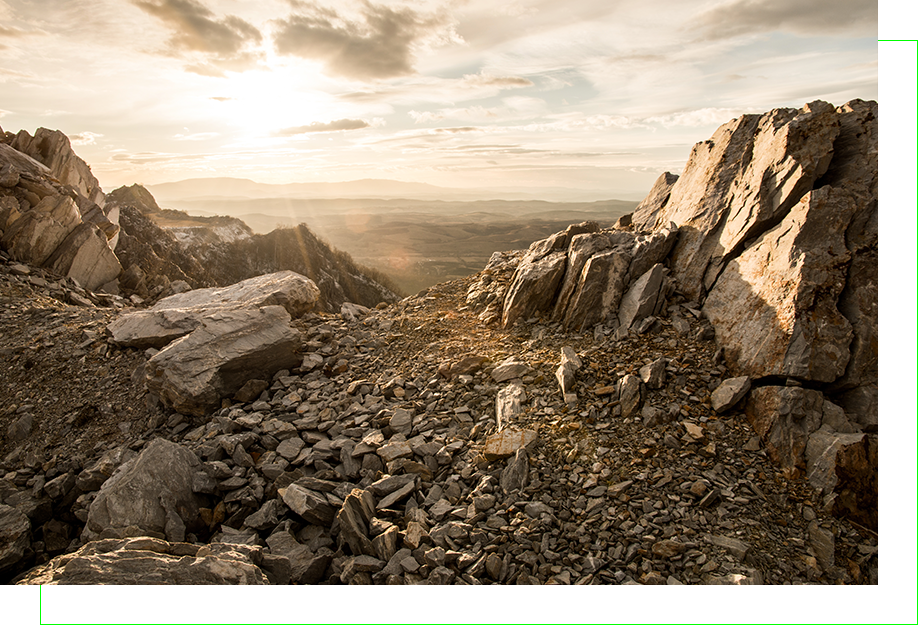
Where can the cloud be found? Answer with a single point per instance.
(84, 138)
(698, 117)
(821, 17)
(221, 98)
(222, 44)
(380, 44)
(198, 136)
(333, 126)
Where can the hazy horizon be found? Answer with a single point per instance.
(585, 95)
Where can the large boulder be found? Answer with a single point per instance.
(86, 257)
(774, 309)
(192, 374)
(178, 315)
(533, 287)
(152, 494)
(150, 561)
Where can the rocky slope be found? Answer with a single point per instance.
(159, 247)
(582, 412)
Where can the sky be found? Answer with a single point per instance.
(597, 95)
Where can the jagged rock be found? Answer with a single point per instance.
(35, 236)
(729, 393)
(352, 520)
(736, 184)
(644, 298)
(509, 403)
(822, 452)
(52, 148)
(153, 492)
(630, 392)
(92, 478)
(180, 314)
(598, 291)
(146, 560)
(567, 370)
(646, 215)
(86, 257)
(193, 373)
(515, 475)
(784, 418)
(654, 374)
(310, 504)
(774, 308)
(581, 248)
(15, 536)
(533, 287)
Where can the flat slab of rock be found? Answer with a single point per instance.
(507, 442)
(193, 373)
(146, 560)
(178, 315)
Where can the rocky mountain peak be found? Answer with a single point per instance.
(687, 397)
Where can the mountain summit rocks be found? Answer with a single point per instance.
(53, 212)
(770, 234)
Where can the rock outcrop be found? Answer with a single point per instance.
(770, 233)
(53, 212)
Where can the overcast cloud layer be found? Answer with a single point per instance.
(587, 94)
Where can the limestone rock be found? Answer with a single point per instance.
(86, 257)
(150, 561)
(533, 287)
(193, 373)
(153, 492)
(751, 171)
(646, 214)
(774, 308)
(509, 403)
(729, 393)
(822, 451)
(35, 236)
(644, 298)
(506, 443)
(179, 314)
(784, 418)
(510, 369)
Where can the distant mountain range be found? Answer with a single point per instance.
(242, 188)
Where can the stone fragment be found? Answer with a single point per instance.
(510, 369)
(630, 392)
(823, 543)
(353, 520)
(393, 450)
(149, 492)
(505, 443)
(509, 403)
(290, 448)
(644, 298)
(515, 475)
(668, 548)
(309, 504)
(729, 393)
(734, 547)
(654, 374)
(251, 390)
